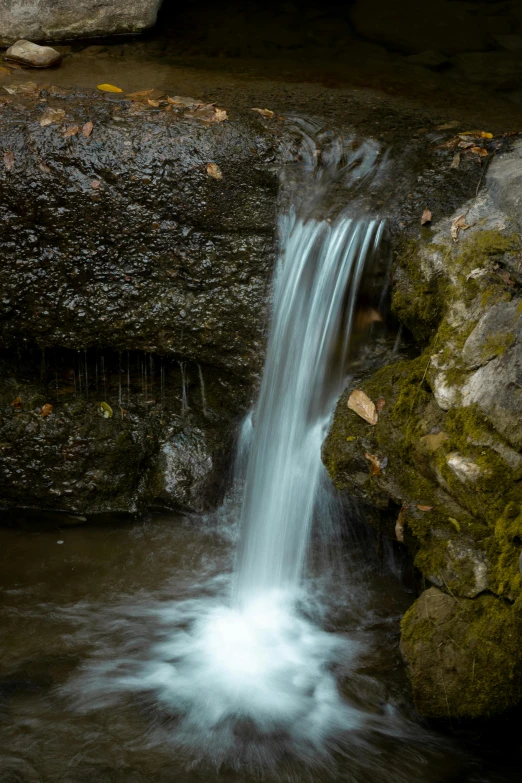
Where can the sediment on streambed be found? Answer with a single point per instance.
(445, 452)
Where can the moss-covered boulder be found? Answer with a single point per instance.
(464, 656)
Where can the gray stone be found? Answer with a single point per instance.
(494, 334)
(462, 558)
(404, 26)
(42, 20)
(504, 182)
(33, 55)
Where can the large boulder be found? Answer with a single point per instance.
(41, 20)
(134, 277)
(402, 25)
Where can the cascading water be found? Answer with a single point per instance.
(315, 293)
(251, 680)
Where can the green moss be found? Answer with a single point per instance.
(497, 345)
(504, 552)
(418, 301)
(464, 656)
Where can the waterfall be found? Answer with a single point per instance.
(315, 292)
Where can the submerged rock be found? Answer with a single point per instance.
(33, 55)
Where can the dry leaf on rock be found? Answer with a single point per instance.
(109, 88)
(425, 508)
(9, 160)
(379, 405)
(207, 113)
(399, 525)
(47, 409)
(265, 113)
(455, 163)
(476, 273)
(477, 134)
(17, 403)
(154, 104)
(360, 403)
(180, 100)
(95, 184)
(458, 224)
(375, 463)
(426, 217)
(51, 116)
(479, 151)
(87, 129)
(448, 125)
(213, 170)
(25, 88)
(72, 130)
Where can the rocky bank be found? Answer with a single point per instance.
(445, 454)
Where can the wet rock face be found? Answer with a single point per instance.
(132, 277)
(449, 441)
(63, 19)
(127, 241)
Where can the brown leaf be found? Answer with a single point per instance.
(213, 170)
(455, 163)
(87, 129)
(448, 145)
(95, 184)
(426, 217)
(379, 405)
(479, 151)
(207, 113)
(47, 409)
(17, 403)
(51, 116)
(360, 403)
(4, 71)
(375, 464)
(465, 145)
(137, 96)
(180, 100)
(72, 130)
(399, 525)
(448, 125)
(425, 508)
(9, 160)
(265, 113)
(154, 104)
(458, 224)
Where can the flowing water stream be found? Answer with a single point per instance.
(257, 641)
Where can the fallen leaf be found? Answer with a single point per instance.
(207, 113)
(477, 134)
(4, 71)
(95, 184)
(17, 403)
(107, 410)
(9, 160)
(375, 463)
(51, 116)
(379, 405)
(448, 145)
(180, 100)
(72, 130)
(213, 170)
(455, 524)
(155, 104)
(425, 508)
(360, 403)
(25, 88)
(458, 224)
(479, 151)
(476, 273)
(109, 88)
(44, 167)
(426, 217)
(47, 409)
(455, 163)
(448, 125)
(465, 145)
(87, 129)
(265, 113)
(137, 96)
(399, 525)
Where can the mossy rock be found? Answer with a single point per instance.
(464, 656)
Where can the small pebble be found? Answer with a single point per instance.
(32, 55)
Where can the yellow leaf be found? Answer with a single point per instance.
(213, 170)
(265, 113)
(485, 135)
(47, 409)
(107, 410)
(109, 88)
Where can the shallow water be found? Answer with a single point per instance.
(106, 597)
